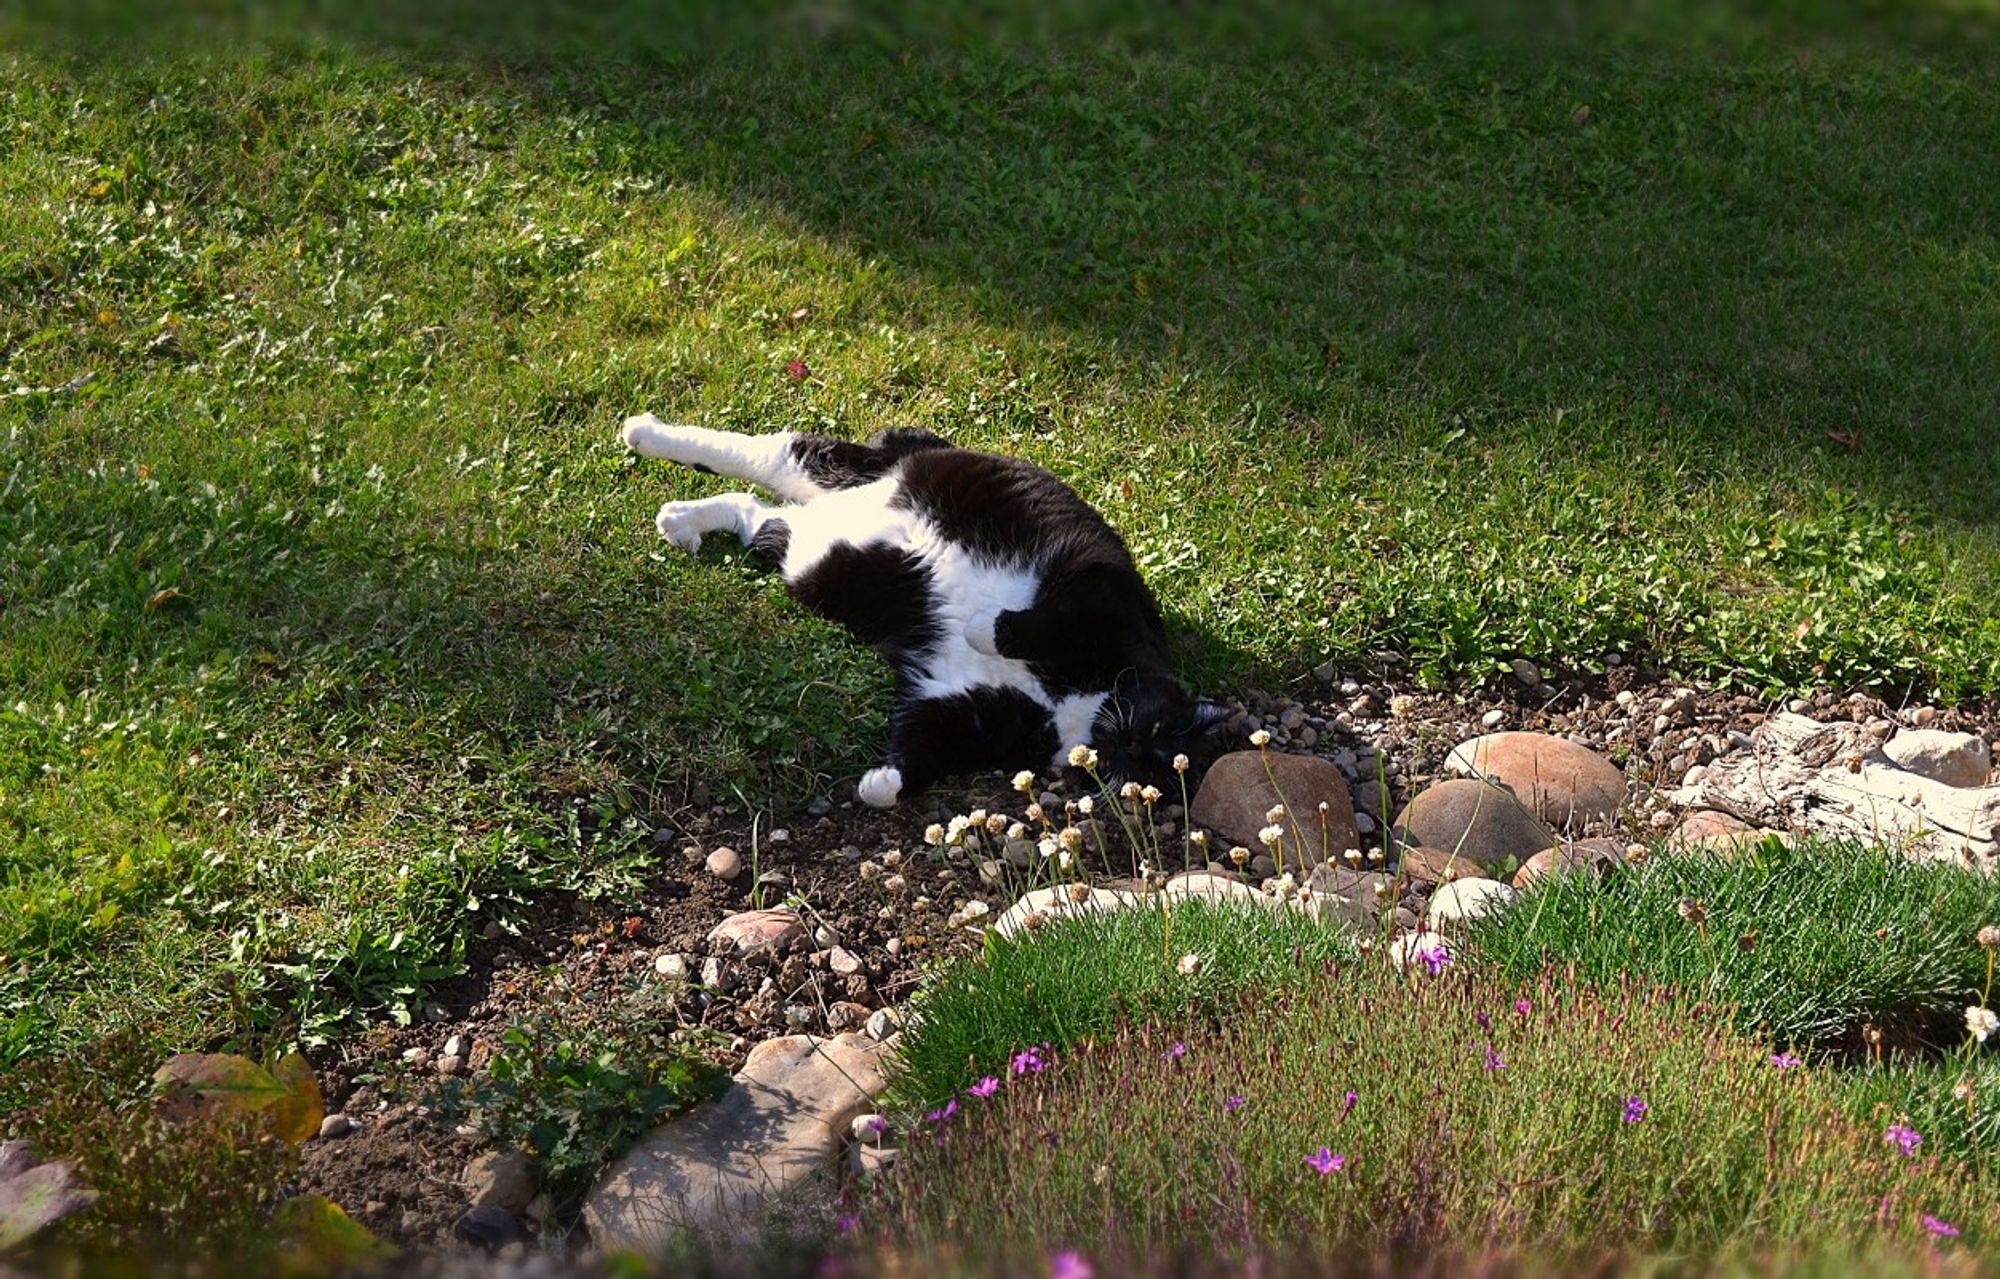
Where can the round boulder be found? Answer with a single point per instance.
(1564, 784)
(1474, 822)
(1237, 795)
(1464, 899)
(1597, 856)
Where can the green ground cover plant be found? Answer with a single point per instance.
(332, 622)
(1810, 944)
(1380, 1113)
(1083, 977)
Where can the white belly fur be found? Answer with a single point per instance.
(965, 586)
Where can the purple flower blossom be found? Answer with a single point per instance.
(846, 1223)
(1029, 1062)
(1494, 1061)
(1903, 1138)
(944, 1112)
(1635, 1109)
(1230, 1105)
(984, 1088)
(1785, 1061)
(1347, 1102)
(1434, 959)
(1942, 1229)
(1069, 1265)
(1326, 1162)
(1523, 1007)
(1178, 1050)
(1485, 1022)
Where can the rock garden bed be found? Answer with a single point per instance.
(816, 922)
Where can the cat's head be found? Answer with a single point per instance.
(1145, 722)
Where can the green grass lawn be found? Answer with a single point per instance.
(331, 616)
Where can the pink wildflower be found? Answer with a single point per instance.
(1230, 1105)
(984, 1088)
(1069, 1265)
(1942, 1229)
(1903, 1138)
(1635, 1110)
(1326, 1162)
(1785, 1061)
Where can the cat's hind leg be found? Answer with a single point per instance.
(685, 523)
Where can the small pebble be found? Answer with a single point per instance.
(724, 863)
(450, 1064)
(455, 1046)
(335, 1125)
(1493, 719)
(672, 967)
(781, 836)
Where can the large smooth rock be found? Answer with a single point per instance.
(1207, 886)
(1434, 866)
(1475, 821)
(1464, 899)
(1592, 856)
(714, 1169)
(1236, 795)
(1564, 784)
(1833, 779)
(1061, 902)
(1956, 759)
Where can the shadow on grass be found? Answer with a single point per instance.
(1752, 241)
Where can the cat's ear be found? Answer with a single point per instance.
(1209, 714)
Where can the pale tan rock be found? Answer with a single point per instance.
(715, 1170)
(1956, 759)
(1833, 779)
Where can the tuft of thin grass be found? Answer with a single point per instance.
(1811, 943)
(1083, 977)
(1365, 1113)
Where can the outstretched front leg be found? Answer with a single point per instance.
(796, 467)
(685, 523)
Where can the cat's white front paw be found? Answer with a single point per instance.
(880, 786)
(644, 434)
(979, 632)
(678, 523)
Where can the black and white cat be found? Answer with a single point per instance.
(1012, 614)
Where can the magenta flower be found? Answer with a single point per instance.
(1494, 1061)
(1523, 1007)
(1230, 1105)
(1069, 1265)
(1635, 1110)
(1325, 1163)
(1785, 1061)
(984, 1088)
(1178, 1049)
(944, 1112)
(1485, 1022)
(1347, 1103)
(1942, 1229)
(1434, 960)
(1029, 1062)
(1903, 1138)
